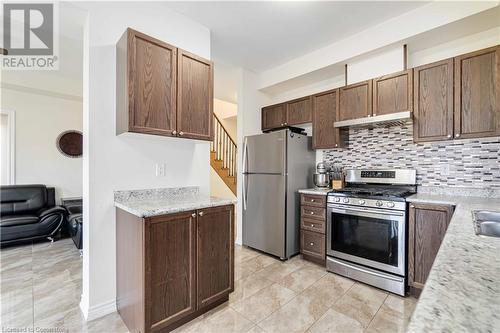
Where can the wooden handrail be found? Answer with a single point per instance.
(218, 120)
(224, 147)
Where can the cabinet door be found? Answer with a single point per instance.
(355, 101)
(433, 101)
(194, 97)
(215, 253)
(273, 116)
(477, 94)
(152, 74)
(299, 111)
(427, 227)
(393, 93)
(325, 112)
(170, 254)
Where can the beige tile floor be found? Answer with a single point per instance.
(40, 287)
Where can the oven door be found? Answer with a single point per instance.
(367, 236)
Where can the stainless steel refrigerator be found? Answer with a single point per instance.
(275, 166)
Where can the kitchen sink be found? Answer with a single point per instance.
(486, 223)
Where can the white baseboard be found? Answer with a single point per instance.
(99, 310)
(238, 240)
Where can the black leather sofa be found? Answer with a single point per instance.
(28, 212)
(74, 208)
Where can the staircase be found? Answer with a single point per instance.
(223, 155)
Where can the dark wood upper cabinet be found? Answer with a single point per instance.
(355, 101)
(427, 227)
(299, 111)
(170, 268)
(146, 84)
(161, 89)
(215, 254)
(325, 112)
(393, 93)
(194, 96)
(273, 116)
(477, 94)
(433, 101)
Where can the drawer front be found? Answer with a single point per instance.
(313, 200)
(313, 225)
(312, 243)
(313, 212)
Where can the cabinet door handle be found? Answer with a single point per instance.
(448, 136)
(412, 206)
(174, 132)
(312, 200)
(312, 213)
(200, 213)
(181, 133)
(312, 244)
(457, 135)
(312, 225)
(193, 215)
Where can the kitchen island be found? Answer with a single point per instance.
(462, 292)
(175, 256)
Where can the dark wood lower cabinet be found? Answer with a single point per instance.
(215, 250)
(172, 268)
(312, 228)
(427, 226)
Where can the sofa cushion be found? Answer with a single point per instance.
(16, 220)
(22, 199)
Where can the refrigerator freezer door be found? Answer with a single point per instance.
(265, 153)
(264, 213)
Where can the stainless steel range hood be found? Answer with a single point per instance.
(384, 120)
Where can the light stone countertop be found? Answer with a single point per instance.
(462, 292)
(148, 203)
(316, 191)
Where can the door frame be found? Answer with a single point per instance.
(11, 126)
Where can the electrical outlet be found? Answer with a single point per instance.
(160, 169)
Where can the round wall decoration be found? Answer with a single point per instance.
(70, 143)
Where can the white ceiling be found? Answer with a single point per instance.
(260, 35)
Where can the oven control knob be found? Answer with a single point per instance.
(337, 199)
(379, 203)
(362, 202)
(390, 204)
(346, 200)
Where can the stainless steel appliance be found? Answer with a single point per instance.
(366, 227)
(275, 166)
(322, 177)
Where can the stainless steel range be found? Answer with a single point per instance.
(366, 227)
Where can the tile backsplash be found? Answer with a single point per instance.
(462, 163)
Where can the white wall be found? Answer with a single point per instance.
(250, 101)
(127, 161)
(39, 121)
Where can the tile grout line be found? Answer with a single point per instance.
(373, 317)
(330, 307)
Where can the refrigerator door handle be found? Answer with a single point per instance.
(245, 155)
(245, 191)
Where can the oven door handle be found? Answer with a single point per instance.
(373, 211)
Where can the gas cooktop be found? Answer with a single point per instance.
(366, 191)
